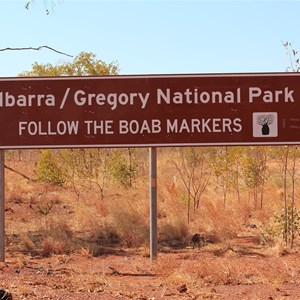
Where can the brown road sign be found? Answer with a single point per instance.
(153, 110)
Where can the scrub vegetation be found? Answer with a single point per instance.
(215, 192)
(226, 217)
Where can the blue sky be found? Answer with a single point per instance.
(153, 37)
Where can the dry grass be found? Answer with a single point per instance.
(122, 216)
(230, 269)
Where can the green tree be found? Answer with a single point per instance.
(255, 171)
(288, 156)
(287, 225)
(85, 168)
(82, 168)
(48, 169)
(227, 164)
(84, 64)
(123, 167)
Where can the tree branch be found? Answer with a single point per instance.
(35, 48)
(19, 173)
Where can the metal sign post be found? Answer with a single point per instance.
(2, 208)
(153, 203)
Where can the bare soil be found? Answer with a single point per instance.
(241, 270)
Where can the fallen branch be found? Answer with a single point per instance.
(19, 173)
(36, 49)
(117, 273)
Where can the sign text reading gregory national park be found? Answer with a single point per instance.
(154, 110)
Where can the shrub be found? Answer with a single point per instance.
(58, 239)
(130, 223)
(174, 230)
(123, 171)
(50, 246)
(287, 225)
(48, 170)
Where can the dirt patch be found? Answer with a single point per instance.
(182, 274)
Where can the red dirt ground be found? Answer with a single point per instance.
(242, 271)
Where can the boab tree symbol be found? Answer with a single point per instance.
(264, 121)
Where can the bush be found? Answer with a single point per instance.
(58, 239)
(48, 170)
(174, 230)
(128, 219)
(287, 225)
(123, 169)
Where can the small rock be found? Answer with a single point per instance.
(182, 288)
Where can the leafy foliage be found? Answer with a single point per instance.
(123, 169)
(48, 170)
(255, 171)
(226, 163)
(84, 168)
(287, 225)
(254, 166)
(84, 64)
(81, 167)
